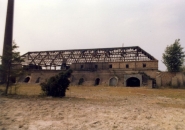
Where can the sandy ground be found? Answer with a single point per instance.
(89, 109)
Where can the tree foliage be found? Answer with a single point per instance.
(11, 67)
(173, 57)
(57, 85)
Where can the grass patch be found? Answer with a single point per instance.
(98, 91)
(23, 89)
(125, 91)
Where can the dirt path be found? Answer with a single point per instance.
(92, 111)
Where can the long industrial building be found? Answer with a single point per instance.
(122, 66)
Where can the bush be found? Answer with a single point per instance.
(57, 85)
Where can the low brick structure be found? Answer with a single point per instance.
(125, 66)
(174, 79)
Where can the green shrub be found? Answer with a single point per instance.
(57, 85)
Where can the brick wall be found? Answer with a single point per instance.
(138, 65)
(171, 79)
(88, 76)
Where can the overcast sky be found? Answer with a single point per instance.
(41, 25)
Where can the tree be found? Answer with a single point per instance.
(57, 85)
(12, 68)
(173, 57)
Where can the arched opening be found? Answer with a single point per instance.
(154, 83)
(81, 81)
(133, 82)
(27, 79)
(97, 82)
(38, 80)
(113, 81)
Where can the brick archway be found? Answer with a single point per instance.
(81, 81)
(113, 81)
(133, 82)
(97, 82)
(27, 79)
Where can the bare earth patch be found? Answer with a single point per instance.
(96, 108)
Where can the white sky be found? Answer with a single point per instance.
(41, 25)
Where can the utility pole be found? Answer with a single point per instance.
(7, 46)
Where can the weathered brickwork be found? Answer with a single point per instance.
(170, 79)
(136, 65)
(112, 76)
(123, 66)
(89, 77)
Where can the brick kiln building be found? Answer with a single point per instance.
(123, 66)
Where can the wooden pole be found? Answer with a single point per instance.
(8, 36)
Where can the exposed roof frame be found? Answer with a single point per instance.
(58, 57)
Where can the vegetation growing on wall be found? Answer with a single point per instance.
(57, 85)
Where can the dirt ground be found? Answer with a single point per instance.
(96, 108)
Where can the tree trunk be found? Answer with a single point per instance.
(8, 80)
(7, 86)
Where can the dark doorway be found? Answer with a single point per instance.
(96, 66)
(13, 79)
(81, 81)
(113, 82)
(81, 67)
(38, 80)
(133, 82)
(97, 82)
(154, 83)
(27, 79)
